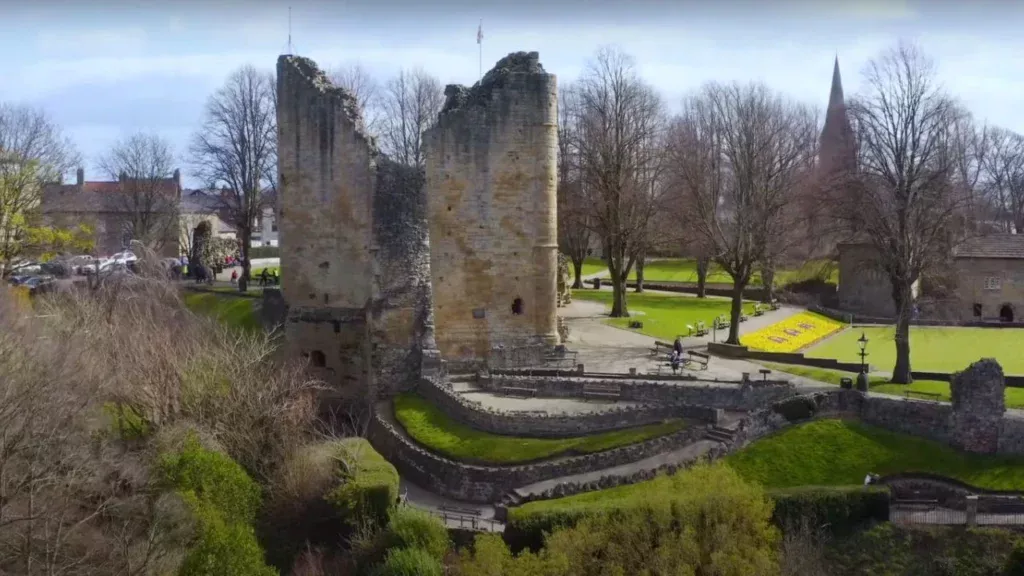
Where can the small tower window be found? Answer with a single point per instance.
(317, 359)
(517, 306)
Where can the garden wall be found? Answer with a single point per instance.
(555, 425)
(726, 396)
(485, 484)
(734, 351)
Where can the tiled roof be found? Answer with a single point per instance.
(1009, 246)
(94, 196)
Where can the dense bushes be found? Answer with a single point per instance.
(841, 509)
(224, 502)
(369, 488)
(413, 542)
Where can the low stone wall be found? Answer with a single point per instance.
(726, 396)
(485, 484)
(542, 424)
(734, 351)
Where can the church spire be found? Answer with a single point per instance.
(835, 98)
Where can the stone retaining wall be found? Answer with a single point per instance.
(725, 396)
(541, 424)
(485, 484)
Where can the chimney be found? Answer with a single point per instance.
(80, 174)
(177, 178)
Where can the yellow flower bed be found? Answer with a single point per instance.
(792, 334)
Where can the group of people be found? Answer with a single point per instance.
(266, 278)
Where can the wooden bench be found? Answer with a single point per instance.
(567, 357)
(517, 391)
(743, 317)
(661, 348)
(722, 322)
(609, 391)
(698, 358)
(774, 304)
(758, 311)
(927, 395)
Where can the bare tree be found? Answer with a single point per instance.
(358, 81)
(144, 166)
(1004, 180)
(574, 232)
(737, 154)
(33, 151)
(410, 105)
(620, 120)
(236, 149)
(903, 200)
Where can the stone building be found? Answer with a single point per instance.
(107, 206)
(353, 227)
(491, 189)
(990, 278)
(863, 287)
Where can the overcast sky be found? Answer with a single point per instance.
(104, 70)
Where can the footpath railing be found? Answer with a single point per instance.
(468, 522)
(978, 511)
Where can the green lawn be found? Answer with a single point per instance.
(685, 270)
(426, 424)
(665, 316)
(593, 266)
(936, 349)
(234, 311)
(840, 452)
(826, 452)
(1014, 396)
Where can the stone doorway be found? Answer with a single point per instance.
(1006, 313)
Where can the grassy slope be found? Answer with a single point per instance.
(820, 453)
(1014, 396)
(665, 316)
(939, 349)
(840, 452)
(234, 311)
(433, 429)
(593, 266)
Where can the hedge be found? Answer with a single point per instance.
(369, 487)
(842, 509)
(264, 252)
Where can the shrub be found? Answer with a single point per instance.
(223, 501)
(127, 422)
(409, 562)
(369, 486)
(1015, 561)
(840, 509)
(414, 528)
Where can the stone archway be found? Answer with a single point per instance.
(1006, 313)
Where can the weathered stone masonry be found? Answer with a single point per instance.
(356, 263)
(491, 188)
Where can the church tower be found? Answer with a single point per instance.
(836, 150)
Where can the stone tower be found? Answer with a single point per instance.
(491, 191)
(355, 264)
(837, 150)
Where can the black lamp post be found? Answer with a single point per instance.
(862, 378)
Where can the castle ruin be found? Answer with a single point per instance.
(372, 250)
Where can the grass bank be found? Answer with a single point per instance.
(427, 425)
(237, 311)
(664, 316)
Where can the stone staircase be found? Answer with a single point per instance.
(720, 434)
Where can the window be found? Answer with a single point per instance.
(273, 227)
(317, 359)
(517, 306)
(977, 310)
(993, 283)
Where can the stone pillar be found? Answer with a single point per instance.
(972, 510)
(979, 402)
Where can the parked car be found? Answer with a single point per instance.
(124, 257)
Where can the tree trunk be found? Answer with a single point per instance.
(734, 313)
(244, 250)
(619, 309)
(904, 300)
(768, 283)
(577, 270)
(640, 260)
(702, 276)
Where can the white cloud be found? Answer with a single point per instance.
(97, 41)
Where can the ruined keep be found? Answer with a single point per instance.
(979, 402)
(491, 189)
(353, 225)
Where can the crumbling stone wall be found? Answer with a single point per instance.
(979, 402)
(354, 247)
(564, 281)
(491, 181)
